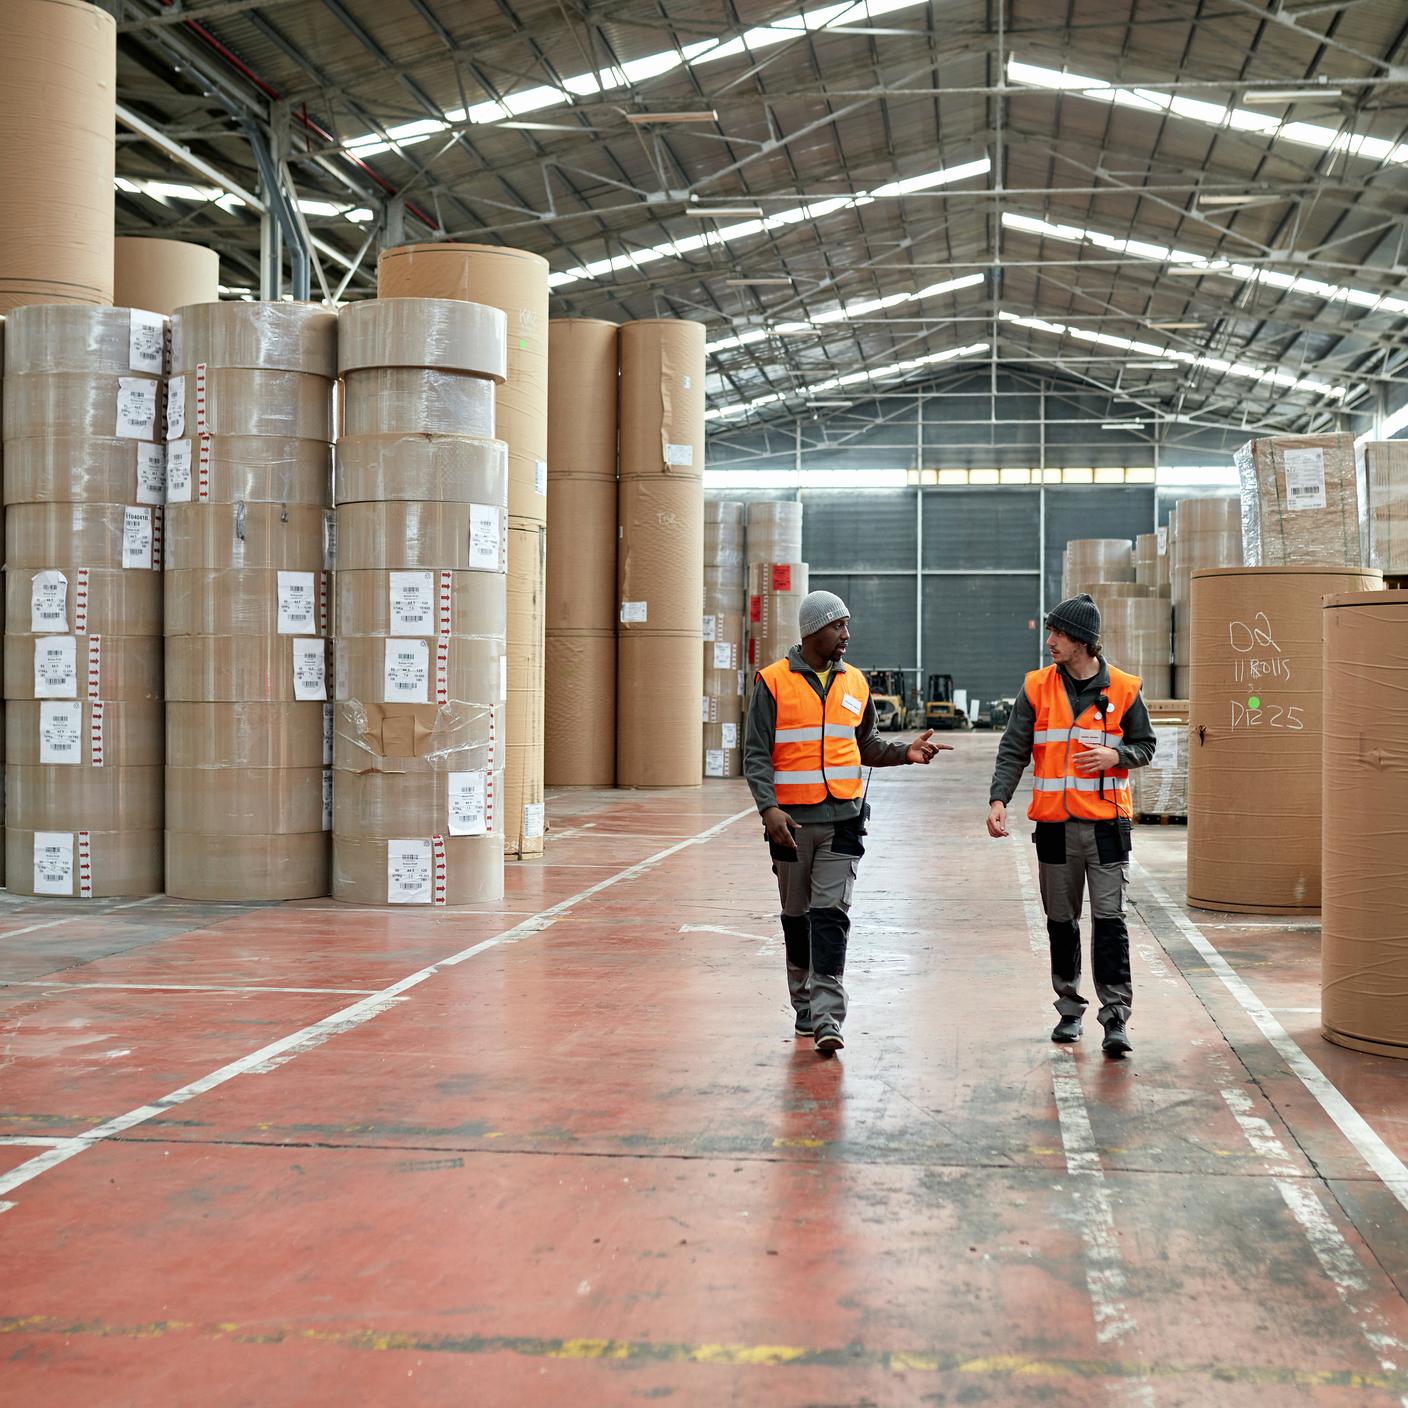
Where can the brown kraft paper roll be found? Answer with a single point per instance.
(662, 398)
(579, 744)
(202, 866)
(402, 465)
(100, 865)
(659, 733)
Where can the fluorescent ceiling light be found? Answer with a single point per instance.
(1290, 95)
(1151, 364)
(796, 215)
(793, 330)
(758, 283)
(212, 195)
(1168, 354)
(1123, 425)
(1176, 327)
(830, 403)
(724, 212)
(1196, 263)
(1306, 134)
(1237, 200)
(645, 119)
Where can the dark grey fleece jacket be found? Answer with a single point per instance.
(758, 740)
(1136, 748)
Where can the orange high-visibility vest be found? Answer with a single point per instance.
(1059, 792)
(815, 752)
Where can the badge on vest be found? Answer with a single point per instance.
(1091, 737)
(850, 703)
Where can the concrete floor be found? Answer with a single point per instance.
(567, 1150)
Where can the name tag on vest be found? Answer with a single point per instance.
(1091, 737)
(850, 703)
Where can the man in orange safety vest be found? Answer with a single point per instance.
(1083, 725)
(811, 728)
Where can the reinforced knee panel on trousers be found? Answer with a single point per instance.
(1064, 936)
(797, 935)
(830, 930)
(1109, 951)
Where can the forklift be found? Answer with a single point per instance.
(887, 694)
(940, 712)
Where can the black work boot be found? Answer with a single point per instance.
(1067, 1029)
(1117, 1042)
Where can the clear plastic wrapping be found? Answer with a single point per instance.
(74, 469)
(89, 667)
(423, 870)
(248, 801)
(723, 755)
(98, 865)
(1161, 789)
(217, 867)
(294, 337)
(775, 594)
(381, 804)
(45, 405)
(417, 670)
(93, 733)
(1382, 471)
(431, 536)
(56, 798)
(443, 468)
(94, 535)
(67, 597)
(1137, 635)
(248, 734)
(774, 531)
(418, 739)
(725, 538)
(269, 469)
(243, 601)
(1151, 562)
(449, 334)
(374, 602)
(233, 669)
(292, 537)
(1091, 560)
(236, 401)
(382, 400)
(1300, 501)
(71, 337)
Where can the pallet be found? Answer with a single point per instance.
(1396, 582)
(1163, 819)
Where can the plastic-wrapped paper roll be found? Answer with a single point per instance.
(1108, 591)
(229, 669)
(447, 334)
(723, 755)
(248, 801)
(242, 601)
(418, 870)
(87, 864)
(774, 532)
(250, 469)
(367, 804)
(725, 536)
(163, 275)
(444, 468)
(202, 537)
(43, 405)
(582, 402)
(68, 337)
(659, 732)
(101, 601)
(775, 594)
(85, 732)
(1136, 635)
(417, 739)
(421, 602)
(660, 556)
(83, 667)
(248, 734)
(579, 744)
(1203, 533)
(239, 401)
(224, 867)
(1364, 905)
(380, 400)
(1151, 562)
(411, 670)
(290, 337)
(662, 398)
(725, 660)
(96, 535)
(1096, 560)
(1300, 501)
(1382, 467)
(69, 469)
(1161, 789)
(1254, 773)
(431, 536)
(52, 798)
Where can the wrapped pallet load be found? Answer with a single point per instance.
(421, 673)
(725, 583)
(84, 530)
(1382, 471)
(1300, 501)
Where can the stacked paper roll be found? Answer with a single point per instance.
(164, 275)
(1160, 791)
(1382, 468)
(660, 559)
(1151, 562)
(83, 658)
(1134, 630)
(1093, 560)
(1300, 501)
(725, 638)
(580, 702)
(774, 531)
(1202, 533)
(775, 594)
(249, 457)
(515, 282)
(422, 612)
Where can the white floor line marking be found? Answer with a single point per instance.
(1336, 1257)
(276, 1053)
(1298, 1011)
(185, 987)
(35, 1141)
(75, 918)
(1355, 1128)
(1104, 1266)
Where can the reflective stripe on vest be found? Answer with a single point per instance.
(815, 752)
(1059, 792)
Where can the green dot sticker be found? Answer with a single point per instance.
(522, 343)
(1254, 702)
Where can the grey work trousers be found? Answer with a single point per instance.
(1063, 884)
(816, 890)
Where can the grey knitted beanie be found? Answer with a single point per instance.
(820, 609)
(1077, 617)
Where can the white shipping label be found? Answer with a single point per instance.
(1091, 737)
(53, 862)
(1305, 479)
(146, 344)
(534, 819)
(327, 799)
(327, 734)
(723, 655)
(298, 603)
(136, 408)
(681, 456)
(633, 612)
(540, 477)
(409, 866)
(151, 474)
(55, 668)
(730, 735)
(687, 382)
(137, 537)
(176, 408)
(713, 762)
(412, 598)
(1163, 539)
(467, 791)
(711, 628)
(704, 709)
(178, 472)
(48, 602)
(406, 672)
(851, 704)
(310, 669)
(486, 551)
(741, 675)
(61, 732)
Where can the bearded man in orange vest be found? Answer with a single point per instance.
(811, 728)
(1083, 725)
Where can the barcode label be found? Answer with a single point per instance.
(176, 408)
(53, 862)
(55, 668)
(486, 538)
(178, 472)
(151, 474)
(146, 342)
(60, 732)
(408, 872)
(310, 669)
(1305, 478)
(48, 602)
(136, 408)
(466, 803)
(298, 603)
(137, 537)
(406, 672)
(412, 603)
